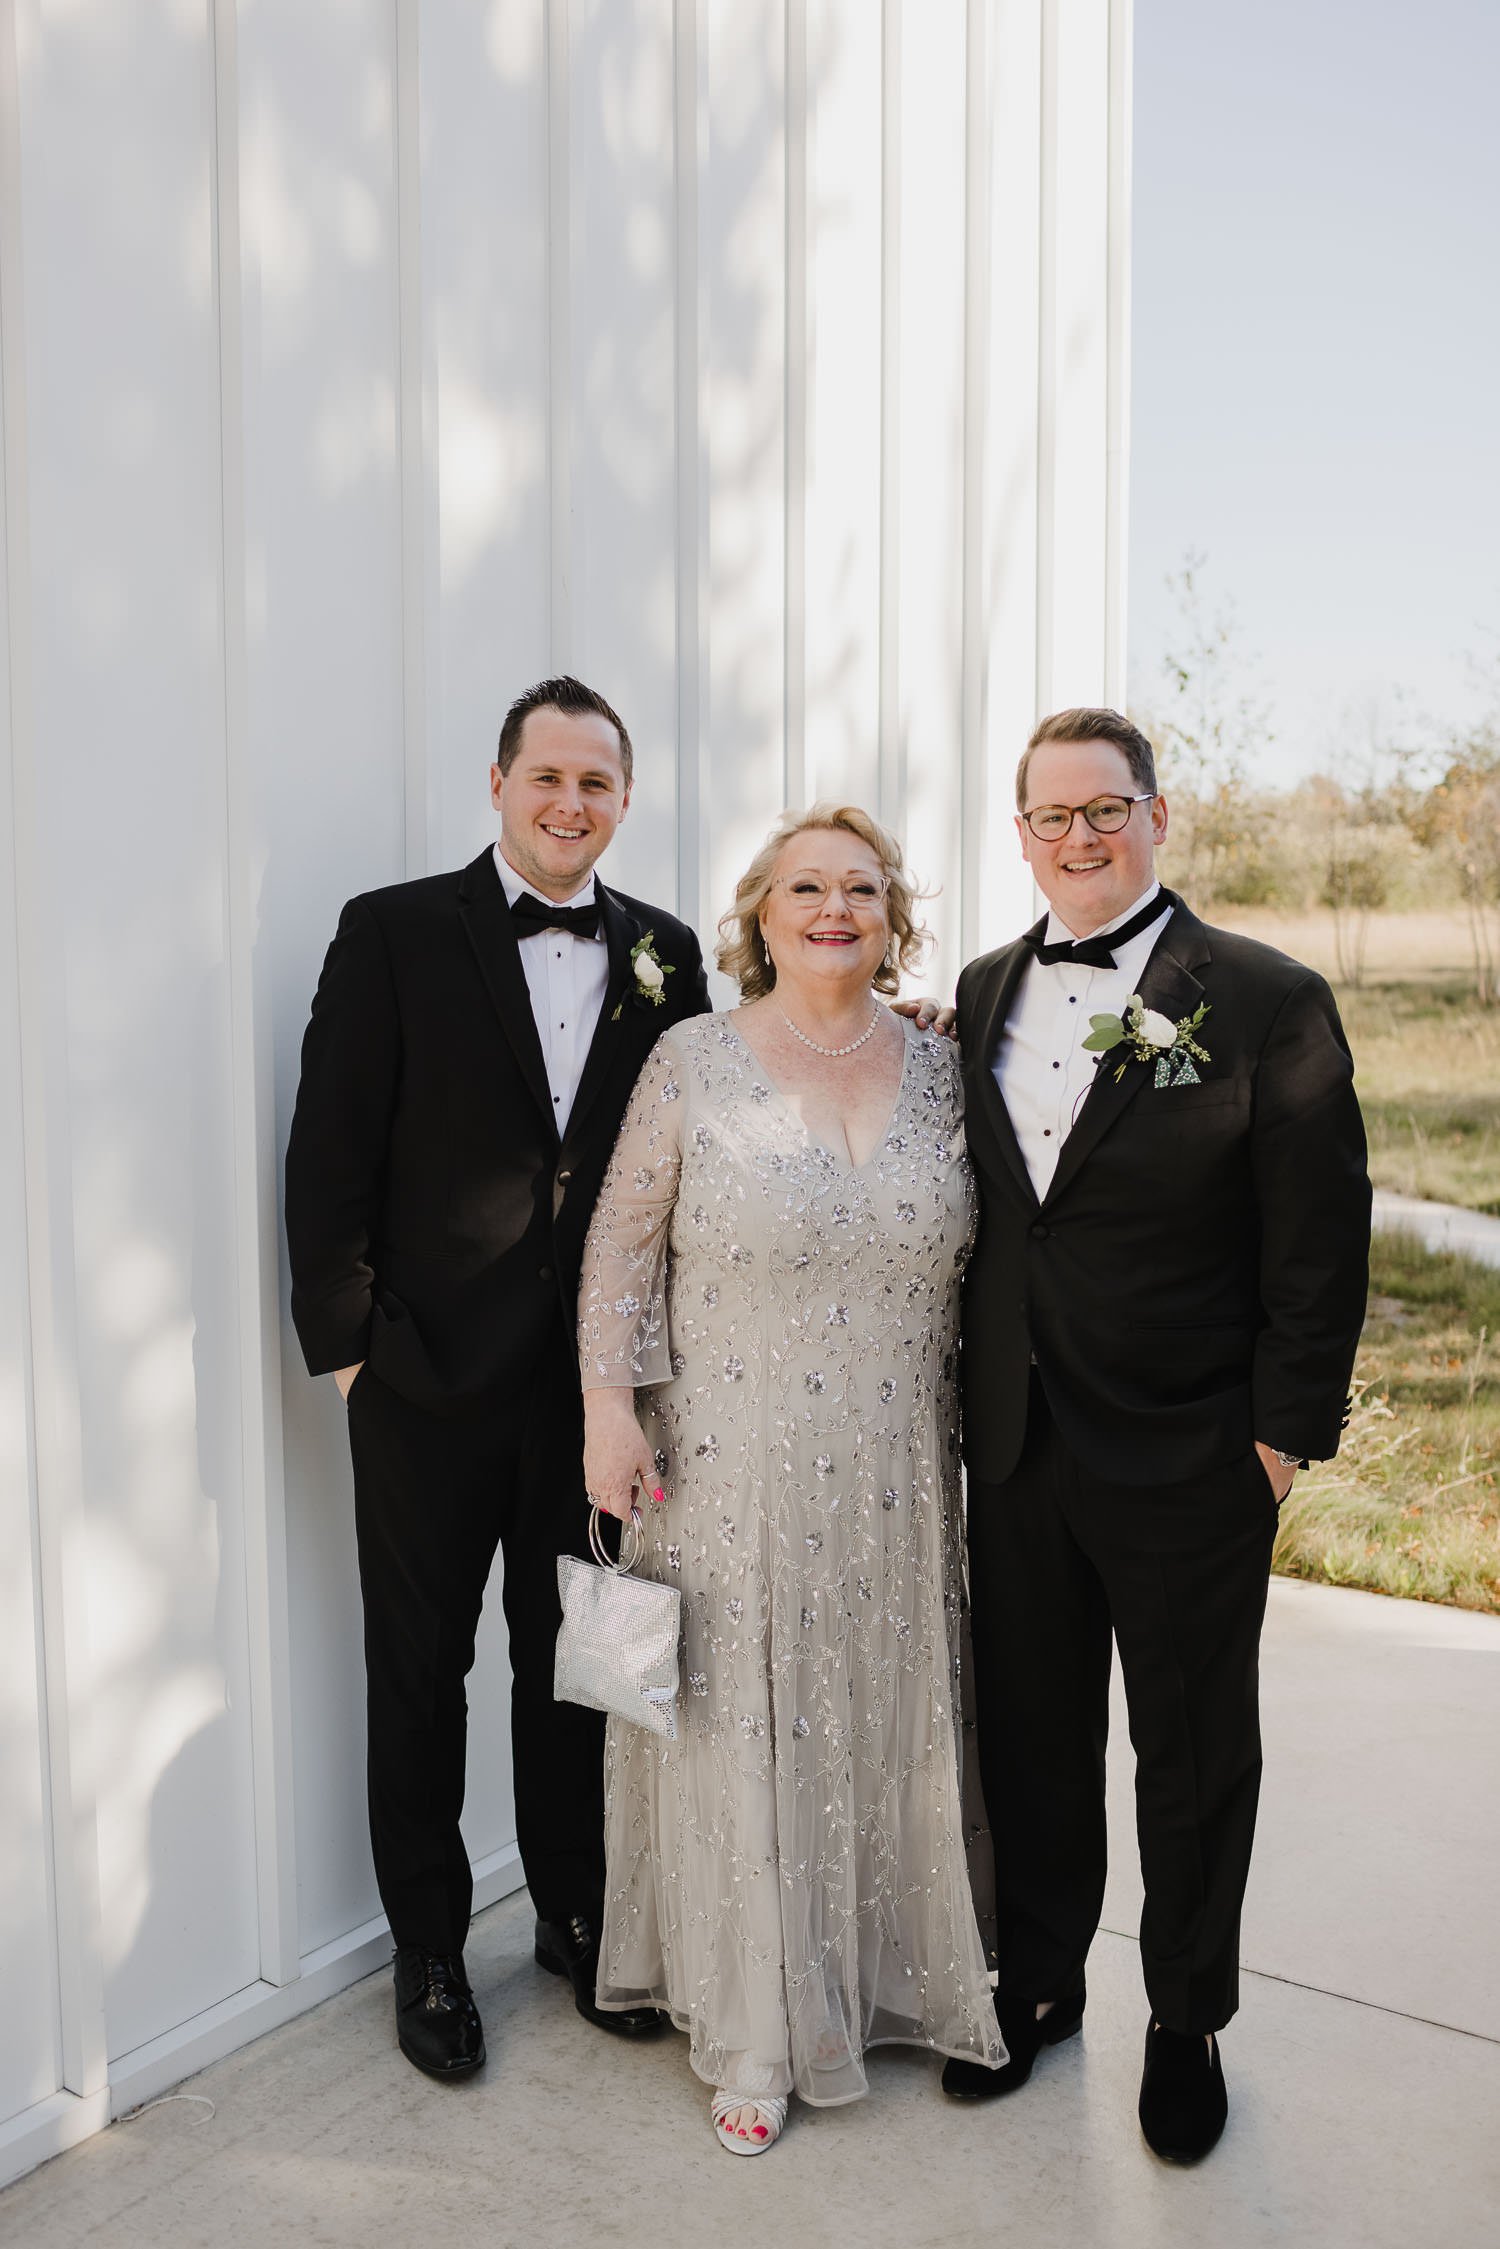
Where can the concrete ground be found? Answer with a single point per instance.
(1364, 2066)
(1441, 1225)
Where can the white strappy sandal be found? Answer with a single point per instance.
(771, 2108)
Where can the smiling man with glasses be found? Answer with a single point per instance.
(1159, 1326)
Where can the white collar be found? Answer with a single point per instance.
(1058, 932)
(515, 885)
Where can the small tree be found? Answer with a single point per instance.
(1209, 736)
(1354, 886)
(1461, 818)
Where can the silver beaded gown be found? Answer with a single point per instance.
(787, 1879)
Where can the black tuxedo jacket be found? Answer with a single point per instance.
(434, 1216)
(1194, 1277)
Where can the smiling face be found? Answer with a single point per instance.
(561, 800)
(1089, 879)
(824, 919)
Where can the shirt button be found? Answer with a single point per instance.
(1046, 1132)
(1072, 999)
(1057, 1065)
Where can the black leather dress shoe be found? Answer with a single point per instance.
(571, 1949)
(437, 2022)
(1024, 2037)
(1183, 2101)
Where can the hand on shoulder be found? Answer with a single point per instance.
(929, 1015)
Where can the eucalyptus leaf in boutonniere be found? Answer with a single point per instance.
(651, 973)
(1151, 1037)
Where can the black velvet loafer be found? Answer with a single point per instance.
(1183, 2102)
(437, 2023)
(1024, 2037)
(571, 1949)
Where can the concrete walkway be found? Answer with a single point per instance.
(1441, 1225)
(1364, 2066)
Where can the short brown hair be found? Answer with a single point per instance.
(573, 699)
(1093, 726)
(742, 950)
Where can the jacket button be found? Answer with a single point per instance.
(563, 1177)
(544, 1272)
(1039, 1230)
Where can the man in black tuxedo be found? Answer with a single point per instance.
(1160, 1323)
(473, 1043)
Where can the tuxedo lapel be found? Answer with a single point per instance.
(621, 929)
(1171, 988)
(985, 1102)
(485, 915)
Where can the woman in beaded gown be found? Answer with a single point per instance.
(768, 1321)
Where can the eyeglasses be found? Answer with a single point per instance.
(1105, 815)
(860, 893)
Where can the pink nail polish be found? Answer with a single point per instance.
(659, 1496)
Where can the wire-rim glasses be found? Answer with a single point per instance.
(1106, 815)
(860, 893)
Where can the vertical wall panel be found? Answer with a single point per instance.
(128, 710)
(484, 171)
(741, 421)
(845, 273)
(30, 2052)
(1074, 648)
(623, 498)
(930, 469)
(1008, 472)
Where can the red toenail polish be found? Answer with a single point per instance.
(760, 2131)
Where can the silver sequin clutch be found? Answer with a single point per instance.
(617, 1649)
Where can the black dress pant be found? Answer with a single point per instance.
(1059, 1559)
(433, 1496)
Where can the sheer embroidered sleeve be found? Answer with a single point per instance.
(623, 1341)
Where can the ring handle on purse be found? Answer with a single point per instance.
(630, 1531)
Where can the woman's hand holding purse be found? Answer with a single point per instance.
(616, 1457)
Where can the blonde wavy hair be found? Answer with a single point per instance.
(742, 950)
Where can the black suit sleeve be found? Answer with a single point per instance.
(335, 1158)
(695, 999)
(1313, 1203)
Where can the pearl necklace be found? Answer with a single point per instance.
(833, 1053)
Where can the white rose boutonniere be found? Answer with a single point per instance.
(1151, 1037)
(651, 973)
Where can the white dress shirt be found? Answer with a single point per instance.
(1040, 1065)
(567, 977)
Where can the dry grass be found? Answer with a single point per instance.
(1411, 1506)
(1427, 1056)
(1399, 948)
(1427, 1066)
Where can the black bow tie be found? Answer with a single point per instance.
(1098, 952)
(530, 914)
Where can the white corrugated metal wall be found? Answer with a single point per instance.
(762, 360)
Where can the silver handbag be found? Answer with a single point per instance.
(617, 1649)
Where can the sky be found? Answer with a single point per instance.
(1316, 358)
